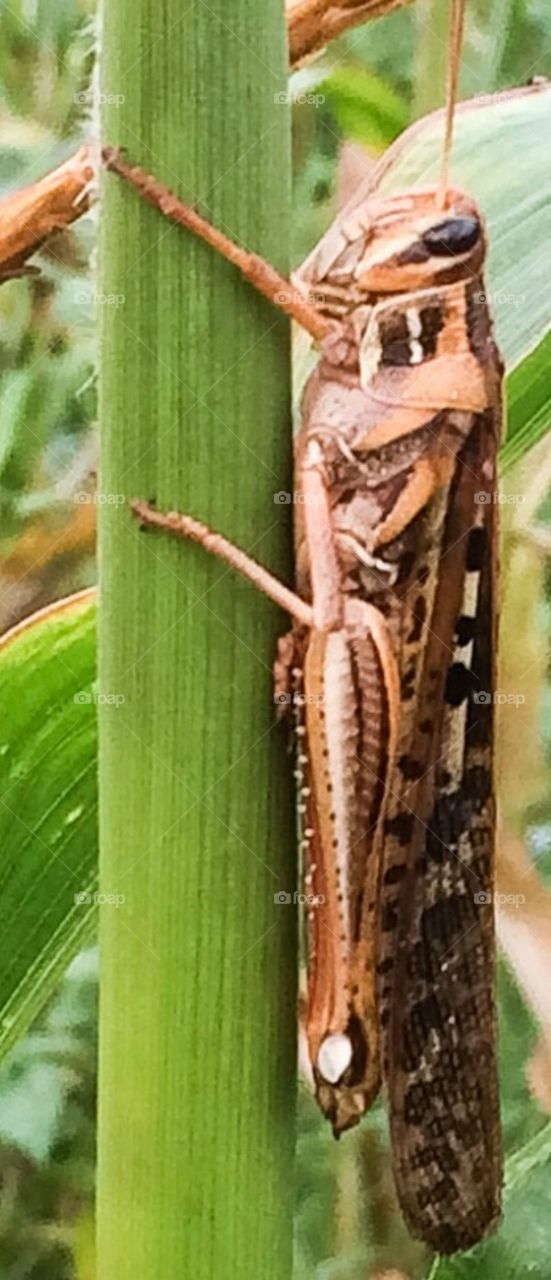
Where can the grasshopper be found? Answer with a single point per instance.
(392, 653)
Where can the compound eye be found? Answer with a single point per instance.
(452, 236)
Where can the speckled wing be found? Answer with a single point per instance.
(436, 947)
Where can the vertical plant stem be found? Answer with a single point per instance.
(198, 965)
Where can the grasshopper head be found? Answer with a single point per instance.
(395, 245)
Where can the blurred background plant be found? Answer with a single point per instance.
(47, 391)
(349, 105)
(47, 1123)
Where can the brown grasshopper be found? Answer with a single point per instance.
(392, 656)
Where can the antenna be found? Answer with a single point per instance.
(457, 24)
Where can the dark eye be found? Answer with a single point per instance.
(453, 236)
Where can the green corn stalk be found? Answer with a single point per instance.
(198, 964)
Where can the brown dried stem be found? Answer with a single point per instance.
(29, 217)
(311, 24)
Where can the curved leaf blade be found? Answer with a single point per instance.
(48, 804)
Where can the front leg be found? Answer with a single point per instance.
(255, 269)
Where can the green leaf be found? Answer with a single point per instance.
(48, 793)
(528, 415)
(365, 106)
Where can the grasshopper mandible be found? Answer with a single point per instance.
(392, 647)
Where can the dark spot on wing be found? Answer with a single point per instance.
(465, 630)
(427, 1015)
(389, 918)
(476, 550)
(450, 818)
(446, 920)
(401, 826)
(460, 684)
(394, 875)
(478, 783)
(410, 769)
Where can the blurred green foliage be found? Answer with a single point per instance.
(367, 87)
(47, 1136)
